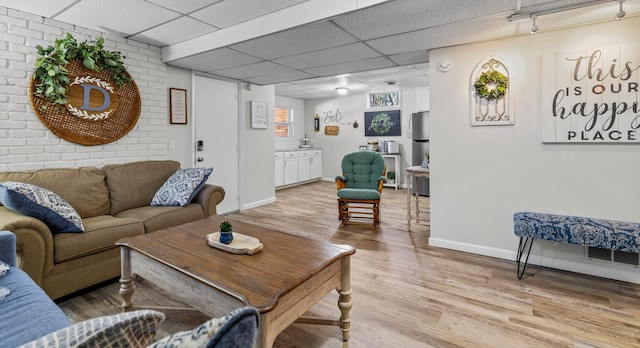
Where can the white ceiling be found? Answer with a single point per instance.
(310, 47)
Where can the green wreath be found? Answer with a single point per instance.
(381, 123)
(494, 79)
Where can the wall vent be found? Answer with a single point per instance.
(615, 256)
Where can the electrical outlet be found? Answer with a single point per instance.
(172, 144)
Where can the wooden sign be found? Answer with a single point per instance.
(331, 130)
(97, 110)
(591, 96)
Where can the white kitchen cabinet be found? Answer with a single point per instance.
(316, 164)
(290, 169)
(304, 165)
(279, 169)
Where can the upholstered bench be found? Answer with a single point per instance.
(597, 233)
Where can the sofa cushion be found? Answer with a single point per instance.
(42, 204)
(130, 329)
(156, 218)
(236, 329)
(181, 187)
(132, 185)
(27, 311)
(83, 188)
(101, 233)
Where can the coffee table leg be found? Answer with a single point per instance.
(344, 300)
(127, 286)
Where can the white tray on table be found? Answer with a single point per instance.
(241, 243)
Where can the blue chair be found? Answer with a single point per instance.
(360, 186)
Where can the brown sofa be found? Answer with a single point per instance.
(113, 203)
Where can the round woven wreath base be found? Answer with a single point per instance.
(85, 131)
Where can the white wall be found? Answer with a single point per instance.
(26, 143)
(352, 108)
(257, 168)
(480, 176)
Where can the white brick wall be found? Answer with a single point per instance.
(26, 143)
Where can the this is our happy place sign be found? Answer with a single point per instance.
(591, 96)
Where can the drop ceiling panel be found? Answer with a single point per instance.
(307, 38)
(277, 78)
(42, 8)
(183, 6)
(474, 30)
(251, 70)
(343, 68)
(407, 58)
(329, 56)
(110, 17)
(179, 30)
(221, 58)
(404, 16)
(227, 13)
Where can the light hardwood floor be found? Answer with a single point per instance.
(408, 294)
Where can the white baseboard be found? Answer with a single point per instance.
(258, 203)
(594, 268)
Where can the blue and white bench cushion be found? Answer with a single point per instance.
(598, 233)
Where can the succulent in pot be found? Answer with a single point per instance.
(226, 234)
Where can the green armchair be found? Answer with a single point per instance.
(360, 187)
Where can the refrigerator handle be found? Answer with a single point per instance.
(409, 129)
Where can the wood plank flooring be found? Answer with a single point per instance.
(408, 294)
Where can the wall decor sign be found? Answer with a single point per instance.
(331, 130)
(591, 95)
(97, 111)
(89, 102)
(177, 106)
(259, 115)
(491, 97)
(382, 123)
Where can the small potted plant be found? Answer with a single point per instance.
(391, 176)
(226, 234)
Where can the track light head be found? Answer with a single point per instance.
(621, 13)
(534, 27)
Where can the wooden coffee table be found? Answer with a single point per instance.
(286, 278)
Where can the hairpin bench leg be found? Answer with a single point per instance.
(521, 248)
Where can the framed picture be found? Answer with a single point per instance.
(259, 115)
(177, 106)
(382, 123)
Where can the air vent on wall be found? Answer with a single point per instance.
(614, 256)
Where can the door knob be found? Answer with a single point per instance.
(200, 159)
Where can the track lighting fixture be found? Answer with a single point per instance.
(621, 12)
(534, 27)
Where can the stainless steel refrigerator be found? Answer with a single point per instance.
(420, 146)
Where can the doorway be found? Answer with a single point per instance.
(216, 133)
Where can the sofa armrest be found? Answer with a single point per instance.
(8, 248)
(209, 197)
(34, 243)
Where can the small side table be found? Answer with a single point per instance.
(414, 172)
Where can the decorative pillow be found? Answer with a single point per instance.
(4, 268)
(236, 329)
(181, 187)
(41, 204)
(4, 292)
(130, 329)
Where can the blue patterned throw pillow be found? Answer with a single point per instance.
(236, 329)
(130, 329)
(42, 204)
(181, 187)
